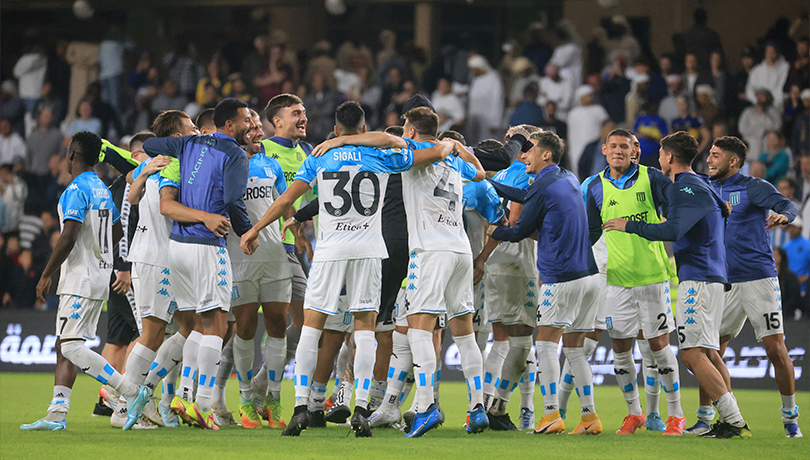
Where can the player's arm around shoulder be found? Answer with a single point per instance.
(439, 152)
(372, 139)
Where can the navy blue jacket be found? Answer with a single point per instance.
(696, 225)
(748, 244)
(552, 208)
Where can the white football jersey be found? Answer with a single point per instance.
(476, 230)
(150, 245)
(351, 181)
(269, 262)
(86, 271)
(433, 203)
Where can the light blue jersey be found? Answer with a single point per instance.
(482, 206)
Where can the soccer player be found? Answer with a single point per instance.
(755, 292)
(638, 273)
(696, 225)
(154, 294)
(262, 278)
(205, 122)
(350, 251)
(554, 211)
(90, 225)
(213, 172)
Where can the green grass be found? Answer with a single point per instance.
(24, 398)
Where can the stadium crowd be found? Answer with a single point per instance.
(551, 78)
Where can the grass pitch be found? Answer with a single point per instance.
(24, 398)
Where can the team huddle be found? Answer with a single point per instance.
(414, 236)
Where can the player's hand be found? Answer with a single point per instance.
(302, 244)
(159, 163)
(122, 283)
(478, 270)
(43, 287)
(291, 225)
(326, 145)
(249, 243)
(618, 224)
(775, 220)
(218, 225)
(491, 229)
(729, 207)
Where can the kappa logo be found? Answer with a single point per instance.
(689, 301)
(163, 292)
(412, 276)
(531, 283)
(223, 272)
(411, 287)
(687, 190)
(413, 266)
(665, 371)
(76, 306)
(690, 320)
(530, 294)
(641, 197)
(620, 371)
(222, 261)
(222, 283)
(529, 304)
(551, 408)
(690, 311)
(691, 291)
(75, 316)
(546, 303)
(165, 271)
(547, 292)
(165, 282)
(612, 202)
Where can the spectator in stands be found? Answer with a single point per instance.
(649, 129)
(692, 77)
(141, 116)
(30, 73)
(44, 142)
(666, 65)
(86, 120)
(614, 90)
(793, 107)
(775, 157)
(321, 103)
(738, 100)
(448, 106)
(757, 170)
(23, 292)
(584, 123)
(668, 108)
(522, 73)
(528, 112)
(719, 77)
(770, 74)
(52, 101)
(14, 192)
(800, 139)
(12, 145)
(110, 121)
(757, 120)
(638, 98)
(321, 63)
(485, 109)
(5, 219)
(216, 77)
(394, 85)
(111, 63)
(624, 44)
(168, 99)
(255, 62)
(557, 89)
(567, 55)
(185, 69)
(707, 110)
(593, 160)
(41, 245)
(144, 74)
(11, 107)
(538, 50)
(797, 250)
(800, 67)
(271, 79)
(700, 39)
(551, 121)
(789, 284)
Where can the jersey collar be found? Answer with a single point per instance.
(619, 183)
(548, 169)
(734, 178)
(283, 141)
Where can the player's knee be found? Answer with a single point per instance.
(71, 349)
(776, 350)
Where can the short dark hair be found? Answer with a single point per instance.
(90, 145)
(682, 145)
(531, 91)
(279, 102)
(620, 132)
(732, 144)
(169, 122)
(450, 134)
(253, 113)
(547, 140)
(206, 117)
(350, 115)
(395, 130)
(227, 109)
(700, 16)
(490, 144)
(141, 137)
(423, 120)
(790, 181)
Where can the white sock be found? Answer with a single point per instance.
(513, 367)
(790, 413)
(406, 390)
(583, 378)
(243, 354)
(306, 358)
(652, 384)
(548, 362)
(138, 364)
(168, 356)
(399, 366)
(492, 369)
(292, 336)
(95, 365)
(483, 340)
(424, 363)
(259, 381)
(377, 393)
(566, 385)
(344, 355)
(625, 370)
(208, 357)
(60, 404)
(438, 379)
(190, 350)
(670, 379)
(223, 374)
(317, 397)
(729, 411)
(169, 385)
(705, 413)
(364, 357)
(344, 394)
(527, 383)
(274, 361)
(472, 364)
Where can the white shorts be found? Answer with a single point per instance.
(362, 278)
(342, 320)
(77, 317)
(570, 304)
(760, 301)
(480, 313)
(154, 294)
(600, 324)
(699, 311)
(645, 308)
(439, 282)
(401, 319)
(512, 300)
(201, 275)
(266, 290)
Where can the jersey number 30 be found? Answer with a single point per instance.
(342, 178)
